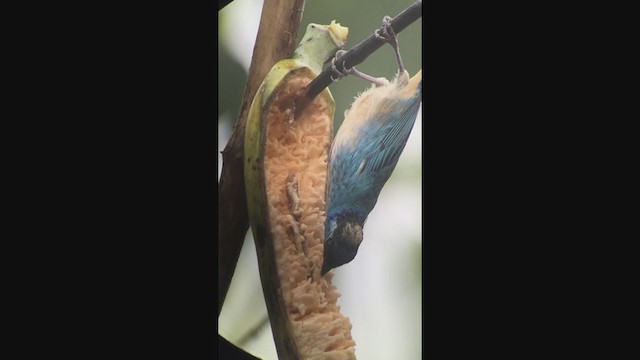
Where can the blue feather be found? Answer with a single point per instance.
(363, 156)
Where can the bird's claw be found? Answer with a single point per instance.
(339, 73)
(388, 34)
(349, 71)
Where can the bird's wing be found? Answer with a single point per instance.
(391, 138)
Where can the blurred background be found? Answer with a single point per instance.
(382, 287)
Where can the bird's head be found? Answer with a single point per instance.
(341, 245)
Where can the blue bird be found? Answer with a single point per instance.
(364, 154)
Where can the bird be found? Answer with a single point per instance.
(364, 153)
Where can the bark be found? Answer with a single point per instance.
(278, 31)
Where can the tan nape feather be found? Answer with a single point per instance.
(410, 89)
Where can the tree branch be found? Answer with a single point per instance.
(278, 31)
(360, 52)
(254, 331)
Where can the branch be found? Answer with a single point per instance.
(254, 331)
(360, 52)
(276, 38)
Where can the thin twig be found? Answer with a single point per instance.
(254, 331)
(364, 49)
